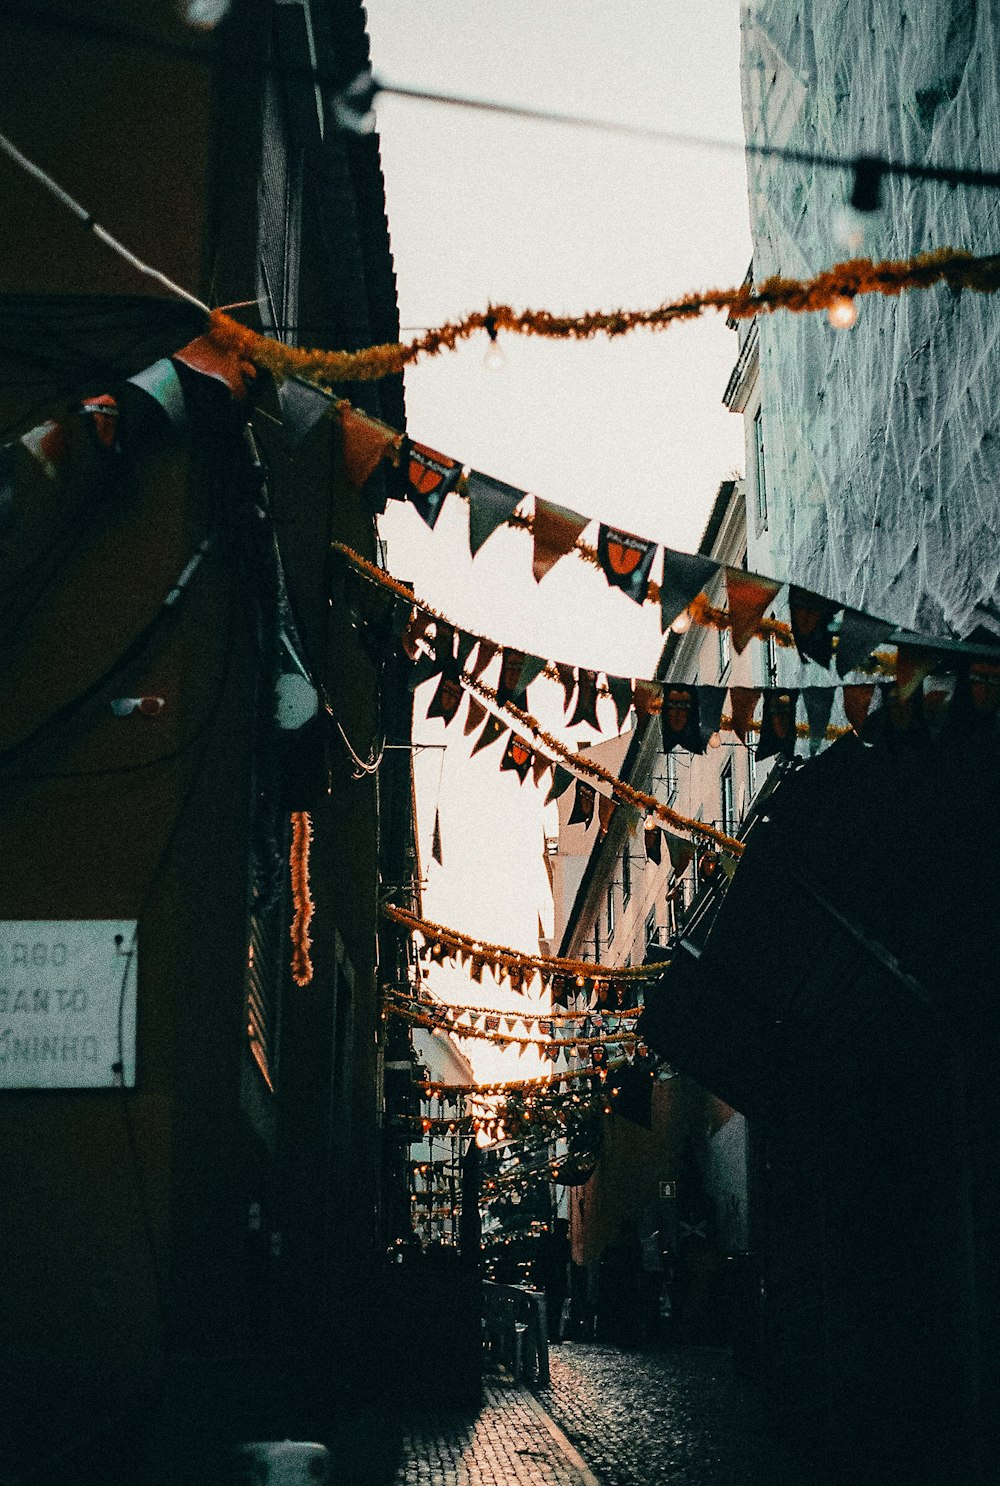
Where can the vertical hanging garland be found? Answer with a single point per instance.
(302, 970)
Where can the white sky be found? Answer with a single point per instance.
(633, 432)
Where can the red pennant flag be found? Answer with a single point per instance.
(743, 700)
(606, 807)
(857, 701)
(366, 443)
(205, 356)
(647, 697)
(556, 530)
(749, 596)
(912, 665)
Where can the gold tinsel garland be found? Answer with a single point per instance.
(417, 1019)
(503, 954)
(302, 970)
(951, 266)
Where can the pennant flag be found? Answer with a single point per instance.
(161, 384)
(777, 726)
(906, 711)
(415, 631)
(517, 756)
(647, 698)
(811, 617)
(202, 355)
(302, 406)
(583, 805)
(539, 768)
(491, 502)
(857, 702)
(429, 479)
(102, 415)
(366, 443)
(493, 729)
(653, 839)
(532, 668)
(561, 781)
(446, 700)
(425, 668)
(556, 531)
(48, 444)
(606, 806)
(626, 560)
(567, 675)
(749, 595)
(621, 694)
(464, 646)
(474, 716)
(444, 647)
(912, 665)
(586, 700)
(710, 702)
(510, 674)
(977, 694)
(492, 1023)
(685, 575)
(679, 719)
(743, 702)
(819, 704)
(436, 845)
(487, 650)
(681, 853)
(545, 1029)
(858, 636)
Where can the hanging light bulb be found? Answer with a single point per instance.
(494, 358)
(682, 623)
(715, 741)
(843, 312)
(848, 229)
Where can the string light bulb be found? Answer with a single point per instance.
(843, 312)
(682, 623)
(715, 741)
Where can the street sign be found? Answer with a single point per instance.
(67, 1003)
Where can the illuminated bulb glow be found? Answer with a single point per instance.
(842, 313)
(682, 623)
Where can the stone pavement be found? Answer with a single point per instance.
(667, 1415)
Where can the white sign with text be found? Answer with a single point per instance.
(67, 1003)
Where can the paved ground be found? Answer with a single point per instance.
(663, 1416)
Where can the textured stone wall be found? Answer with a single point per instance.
(882, 443)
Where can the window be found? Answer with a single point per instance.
(752, 767)
(651, 936)
(725, 652)
(611, 911)
(758, 441)
(626, 876)
(728, 800)
(597, 942)
(672, 785)
(772, 662)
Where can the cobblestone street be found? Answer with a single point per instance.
(674, 1415)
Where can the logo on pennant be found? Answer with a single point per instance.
(626, 561)
(430, 477)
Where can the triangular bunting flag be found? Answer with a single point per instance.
(777, 726)
(749, 595)
(679, 719)
(858, 636)
(819, 704)
(532, 668)
(48, 444)
(857, 702)
(647, 698)
(653, 839)
(626, 560)
(586, 700)
(302, 404)
(204, 356)
(517, 756)
(685, 575)
(446, 700)
(436, 843)
(416, 630)
(742, 704)
(561, 781)
(366, 443)
(681, 853)
(567, 675)
(491, 502)
(583, 804)
(913, 663)
(539, 767)
(710, 704)
(621, 694)
(606, 806)
(493, 729)
(487, 650)
(474, 716)
(465, 644)
(429, 478)
(811, 616)
(556, 529)
(508, 687)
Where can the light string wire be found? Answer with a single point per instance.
(544, 964)
(417, 1019)
(537, 1015)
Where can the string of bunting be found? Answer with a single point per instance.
(551, 1049)
(825, 291)
(584, 970)
(448, 1015)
